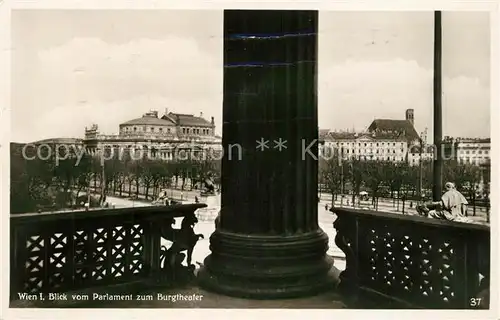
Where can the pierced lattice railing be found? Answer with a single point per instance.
(58, 252)
(419, 261)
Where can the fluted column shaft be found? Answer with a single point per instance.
(268, 243)
(270, 95)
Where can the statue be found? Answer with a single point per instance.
(209, 186)
(452, 206)
(183, 239)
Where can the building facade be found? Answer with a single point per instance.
(172, 136)
(397, 140)
(473, 151)
(384, 140)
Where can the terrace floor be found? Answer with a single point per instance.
(190, 296)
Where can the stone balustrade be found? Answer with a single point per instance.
(414, 261)
(64, 252)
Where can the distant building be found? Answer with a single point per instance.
(178, 125)
(68, 142)
(417, 153)
(397, 140)
(67, 147)
(165, 138)
(473, 151)
(384, 140)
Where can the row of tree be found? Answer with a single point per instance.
(58, 181)
(53, 180)
(393, 179)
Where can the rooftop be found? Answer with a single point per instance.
(187, 119)
(149, 119)
(404, 127)
(333, 135)
(59, 141)
(169, 119)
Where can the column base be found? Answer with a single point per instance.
(268, 267)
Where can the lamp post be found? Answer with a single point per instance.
(423, 145)
(341, 176)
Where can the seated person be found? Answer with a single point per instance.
(452, 206)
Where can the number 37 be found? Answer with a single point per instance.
(475, 302)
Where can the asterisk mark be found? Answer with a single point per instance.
(262, 144)
(280, 144)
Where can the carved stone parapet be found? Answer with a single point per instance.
(345, 239)
(414, 261)
(183, 240)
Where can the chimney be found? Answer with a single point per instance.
(201, 114)
(213, 121)
(166, 111)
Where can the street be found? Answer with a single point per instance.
(207, 227)
(206, 224)
(325, 219)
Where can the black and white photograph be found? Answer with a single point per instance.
(251, 159)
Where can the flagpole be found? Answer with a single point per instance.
(438, 111)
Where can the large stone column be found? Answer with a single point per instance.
(268, 243)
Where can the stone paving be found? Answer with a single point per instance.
(194, 297)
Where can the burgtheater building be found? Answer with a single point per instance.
(167, 137)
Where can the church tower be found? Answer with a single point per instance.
(409, 116)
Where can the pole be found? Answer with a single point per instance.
(103, 186)
(438, 112)
(420, 164)
(342, 178)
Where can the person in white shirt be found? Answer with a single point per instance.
(452, 206)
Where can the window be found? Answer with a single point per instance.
(135, 128)
(152, 129)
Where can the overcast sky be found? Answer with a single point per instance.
(74, 68)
